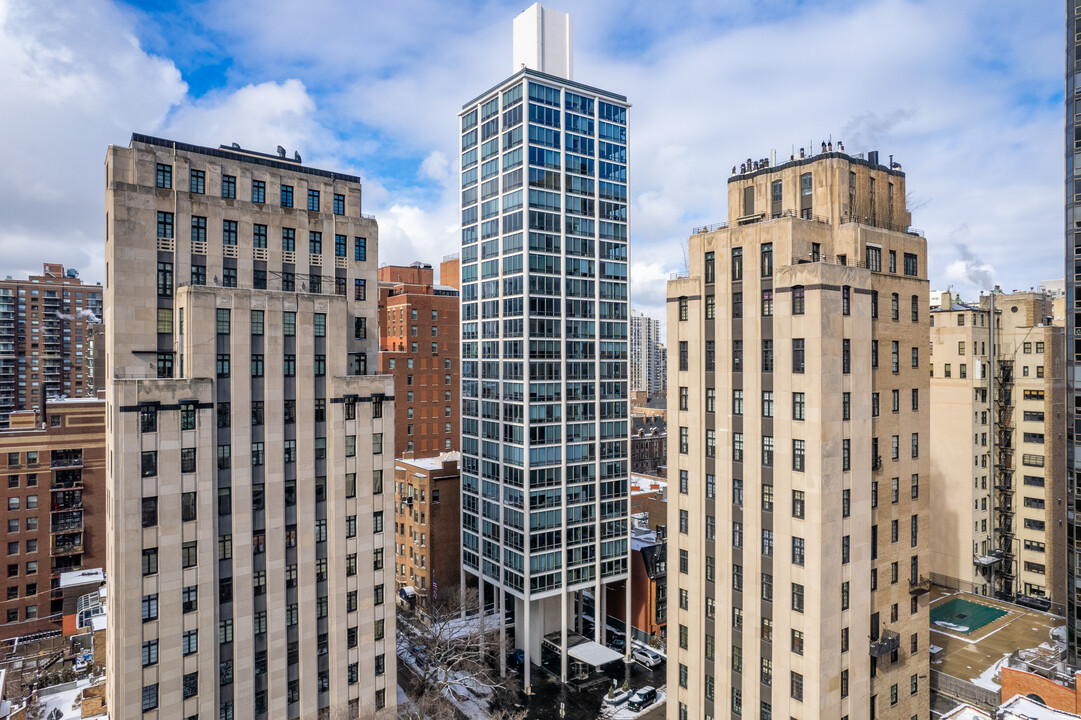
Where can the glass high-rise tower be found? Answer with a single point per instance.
(544, 292)
(1073, 322)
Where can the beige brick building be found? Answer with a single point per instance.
(997, 454)
(798, 507)
(246, 442)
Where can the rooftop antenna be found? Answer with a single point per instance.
(281, 152)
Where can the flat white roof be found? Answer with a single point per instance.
(594, 653)
(966, 712)
(82, 577)
(1020, 707)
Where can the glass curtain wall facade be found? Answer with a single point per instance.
(1073, 320)
(544, 291)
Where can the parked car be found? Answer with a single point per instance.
(616, 642)
(646, 657)
(516, 658)
(643, 698)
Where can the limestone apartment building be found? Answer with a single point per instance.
(1002, 531)
(247, 443)
(799, 510)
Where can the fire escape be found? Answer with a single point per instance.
(1004, 478)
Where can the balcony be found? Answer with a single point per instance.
(919, 587)
(67, 525)
(67, 544)
(888, 642)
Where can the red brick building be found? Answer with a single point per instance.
(54, 514)
(428, 527)
(418, 342)
(649, 587)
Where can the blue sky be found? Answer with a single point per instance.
(966, 95)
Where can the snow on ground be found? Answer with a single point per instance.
(625, 713)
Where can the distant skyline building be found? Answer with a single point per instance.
(250, 457)
(799, 507)
(648, 355)
(418, 341)
(46, 325)
(544, 345)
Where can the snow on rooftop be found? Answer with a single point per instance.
(966, 712)
(1021, 707)
(431, 463)
(82, 577)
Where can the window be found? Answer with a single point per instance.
(223, 365)
(150, 607)
(150, 697)
(149, 463)
(228, 232)
(150, 653)
(797, 551)
(315, 242)
(915, 308)
(798, 455)
(150, 561)
(360, 248)
(797, 597)
(796, 684)
(164, 176)
(165, 279)
(767, 259)
(191, 642)
(228, 186)
(339, 204)
(198, 182)
(737, 263)
(189, 554)
(683, 309)
(846, 356)
(313, 200)
(798, 504)
(846, 300)
(287, 195)
(798, 355)
(767, 303)
(911, 265)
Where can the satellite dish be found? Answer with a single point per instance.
(72, 273)
(281, 151)
(296, 156)
(236, 146)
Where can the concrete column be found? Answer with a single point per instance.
(579, 620)
(563, 600)
(461, 590)
(502, 610)
(628, 611)
(480, 615)
(598, 616)
(526, 645)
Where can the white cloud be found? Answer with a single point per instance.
(259, 117)
(75, 80)
(966, 95)
(436, 167)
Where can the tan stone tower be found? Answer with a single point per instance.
(798, 388)
(247, 444)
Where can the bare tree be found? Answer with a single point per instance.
(450, 651)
